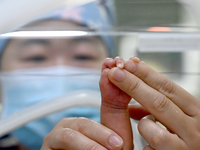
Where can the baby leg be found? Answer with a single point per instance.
(114, 107)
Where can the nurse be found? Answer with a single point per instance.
(71, 55)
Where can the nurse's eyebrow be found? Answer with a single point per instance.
(82, 39)
(34, 41)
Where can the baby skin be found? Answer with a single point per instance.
(114, 108)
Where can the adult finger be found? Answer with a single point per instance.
(137, 112)
(68, 139)
(148, 147)
(165, 86)
(155, 102)
(157, 137)
(93, 130)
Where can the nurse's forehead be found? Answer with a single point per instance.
(52, 23)
(57, 25)
(94, 40)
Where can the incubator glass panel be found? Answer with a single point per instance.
(56, 56)
(64, 48)
(163, 34)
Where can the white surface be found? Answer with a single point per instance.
(168, 42)
(15, 13)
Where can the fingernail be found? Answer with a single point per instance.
(120, 65)
(115, 141)
(142, 62)
(135, 59)
(117, 74)
(130, 65)
(151, 117)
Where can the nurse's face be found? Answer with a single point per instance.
(88, 52)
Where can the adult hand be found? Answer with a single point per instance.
(81, 134)
(170, 104)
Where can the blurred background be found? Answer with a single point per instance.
(162, 33)
(165, 34)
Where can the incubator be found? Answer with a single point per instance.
(48, 67)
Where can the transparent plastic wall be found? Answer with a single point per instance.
(162, 33)
(52, 63)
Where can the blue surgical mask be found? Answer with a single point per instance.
(27, 87)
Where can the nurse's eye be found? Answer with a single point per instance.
(36, 59)
(84, 58)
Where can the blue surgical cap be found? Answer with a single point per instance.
(97, 15)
